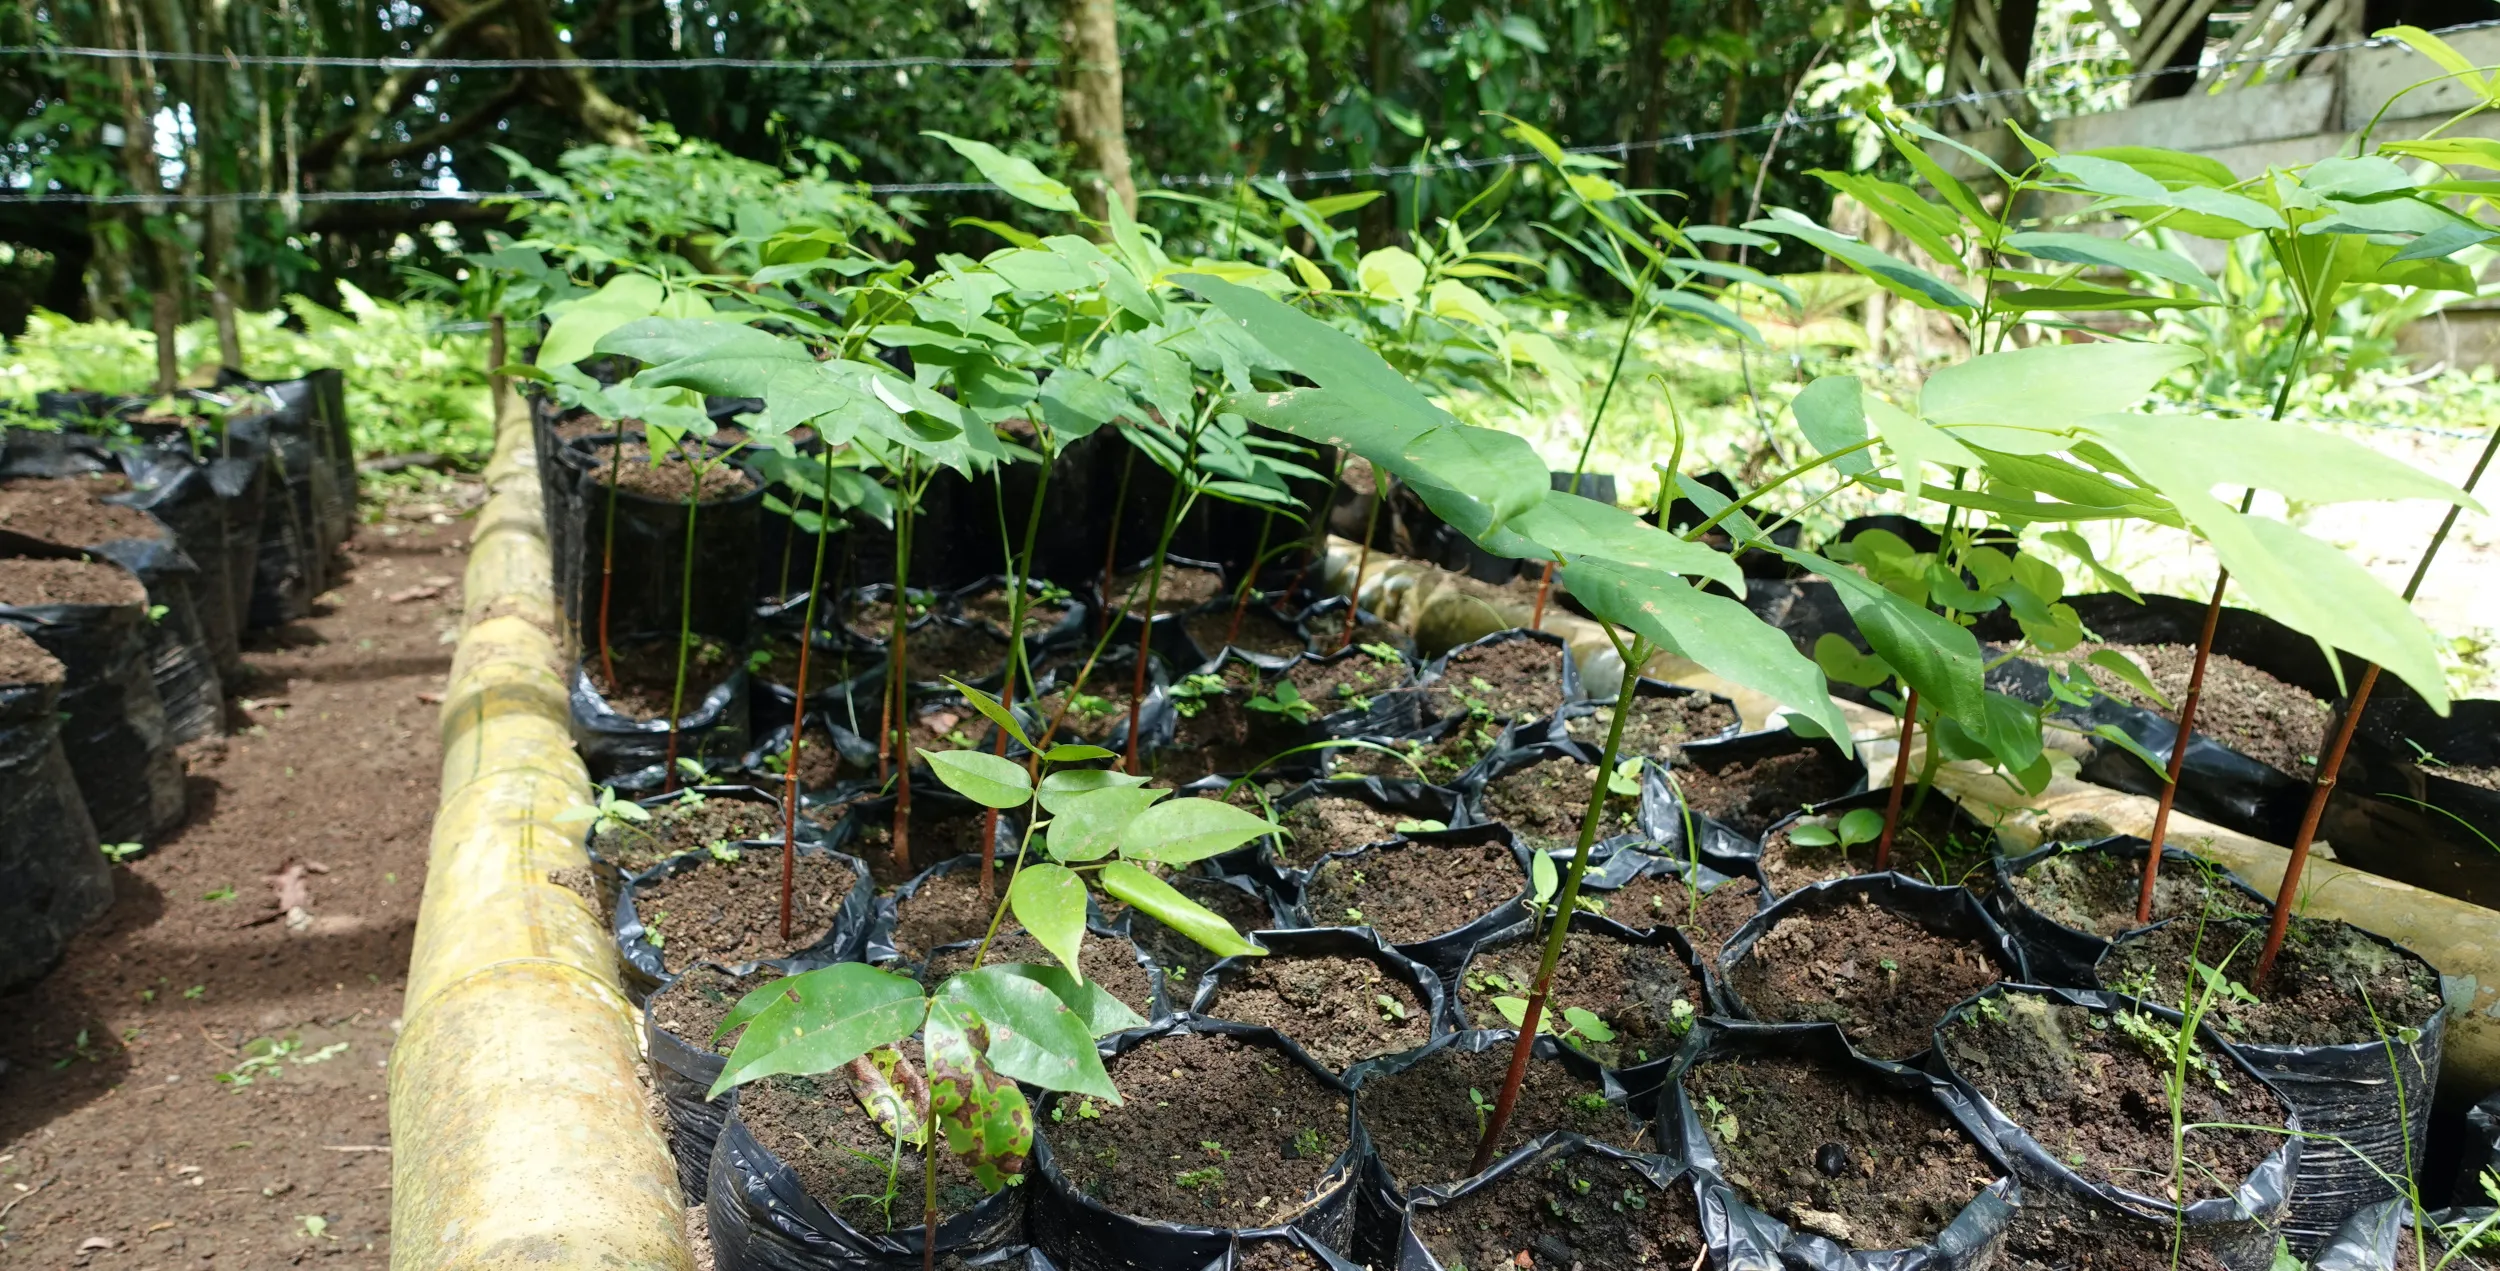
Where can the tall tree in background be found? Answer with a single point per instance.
(1090, 111)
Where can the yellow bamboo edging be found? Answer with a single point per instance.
(519, 1133)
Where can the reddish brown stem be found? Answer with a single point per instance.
(1900, 778)
(1512, 1080)
(989, 822)
(2328, 763)
(2178, 751)
(1544, 588)
(790, 779)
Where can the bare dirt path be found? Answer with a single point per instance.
(201, 1082)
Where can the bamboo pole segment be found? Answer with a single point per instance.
(519, 1129)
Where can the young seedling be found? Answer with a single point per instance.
(1284, 701)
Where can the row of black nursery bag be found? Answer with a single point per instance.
(2034, 1199)
(125, 646)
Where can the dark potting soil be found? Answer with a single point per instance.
(1836, 1152)
(1329, 634)
(1093, 710)
(2242, 707)
(1928, 846)
(1217, 739)
(22, 661)
(1275, 1255)
(992, 606)
(1581, 1211)
(2065, 1237)
(1544, 803)
(1427, 1120)
(1515, 679)
(946, 723)
(2330, 981)
(1413, 893)
(1349, 683)
(2436, 1248)
(874, 619)
(1883, 978)
(2487, 778)
(1644, 993)
(944, 909)
(648, 675)
(845, 1159)
(1181, 957)
(2094, 1095)
(942, 649)
(1658, 727)
(67, 582)
(700, 999)
(2096, 892)
(1662, 900)
(938, 832)
(1339, 1010)
(820, 761)
(825, 667)
(1442, 762)
(1109, 963)
(683, 826)
(730, 911)
(1182, 587)
(1316, 827)
(1260, 632)
(71, 511)
(1213, 1131)
(671, 479)
(1747, 795)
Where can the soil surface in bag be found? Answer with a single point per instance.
(945, 908)
(1182, 587)
(70, 511)
(870, 616)
(683, 825)
(1644, 993)
(1340, 1011)
(1214, 1131)
(1512, 679)
(826, 668)
(2096, 891)
(1750, 793)
(730, 911)
(1112, 963)
(1659, 899)
(1544, 803)
(940, 830)
(646, 674)
(1658, 726)
(1091, 715)
(1877, 973)
(1443, 758)
(669, 480)
(991, 605)
(1277, 1255)
(842, 1156)
(1425, 1122)
(699, 1000)
(1565, 1212)
(2272, 722)
(1349, 683)
(934, 651)
(1217, 736)
(1936, 846)
(1835, 1151)
(2096, 1096)
(2043, 1239)
(28, 583)
(1181, 957)
(1413, 893)
(2328, 981)
(1331, 823)
(1260, 632)
(946, 723)
(820, 762)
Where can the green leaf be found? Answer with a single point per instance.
(1575, 525)
(1715, 631)
(1156, 899)
(1060, 789)
(2445, 55)
(1088, 827)
(1018, 177)
(2088, 300)
(1831, 412)
(1543, 880)
(993, 781)
(985, 1116)
(1033, 1035)
(1187, 830)
(2020, 401)
(989, 706)
(1101, 1013)
(1707, 310)
(1586, 1023)
(1860, 825)
(1071, 752)
(1930, 652)
(2115, 253)
(1459, 467)
(1808, 834)
(1391, 273)
(1841, 661)
(1515, 1009)
(1075, 404)
(2118, 737)
(1896, 275)
(2125, 668)
(1050, 901)
(1915, 443)
(2304, 464)
(820, 1020)
(573, 333)
(2075, 545)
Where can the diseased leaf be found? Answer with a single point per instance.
(820, 1020)
(1032, 1035)
(984, 1116)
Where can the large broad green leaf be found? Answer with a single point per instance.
(1061, 790)
(821, 1020)
(1074, 404)
(737, 362)
(2021, 401)
(1715, 631)
(1897, 275)
(993, 781)
(1930, 652)
(659, 341)
(1018, 177)
(2305, 464)
(1574, 525)
(1706, 309)
(1156, 899)
(1050, 901)
(574, 333)
(2115, 253)
(1033, 1036)
(1187, 830)
(1391, 273)
(1101, 1013)
(985, 1116)
(2458, 66)
(1831, 412)
(1088, 827)
(1915, 443)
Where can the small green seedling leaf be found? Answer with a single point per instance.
(2118, 737)
(1808, 834)
(993, 781)
(1587, 1024)
(1861, 825)
(1544, 877)
(1071, 752)
(2126, 668)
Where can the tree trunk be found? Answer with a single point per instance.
(1646, 69)
(1090, 116)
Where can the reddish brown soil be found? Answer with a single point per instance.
(1218, 739)
(1748, 795)
(937, 650)
(1882, 977)
(71, 511)
(1349, 683)
(670, 479)
(1426, 1121)
(67, 582)
(693, 1005)
(938, 831)
(1514, 679)
(1653, 900)
(109, 1111)
(22, 661)
(1339, 1010)
(816, 1125)
(942, 910)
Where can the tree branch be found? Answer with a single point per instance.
(450, 130)
(340, 150)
